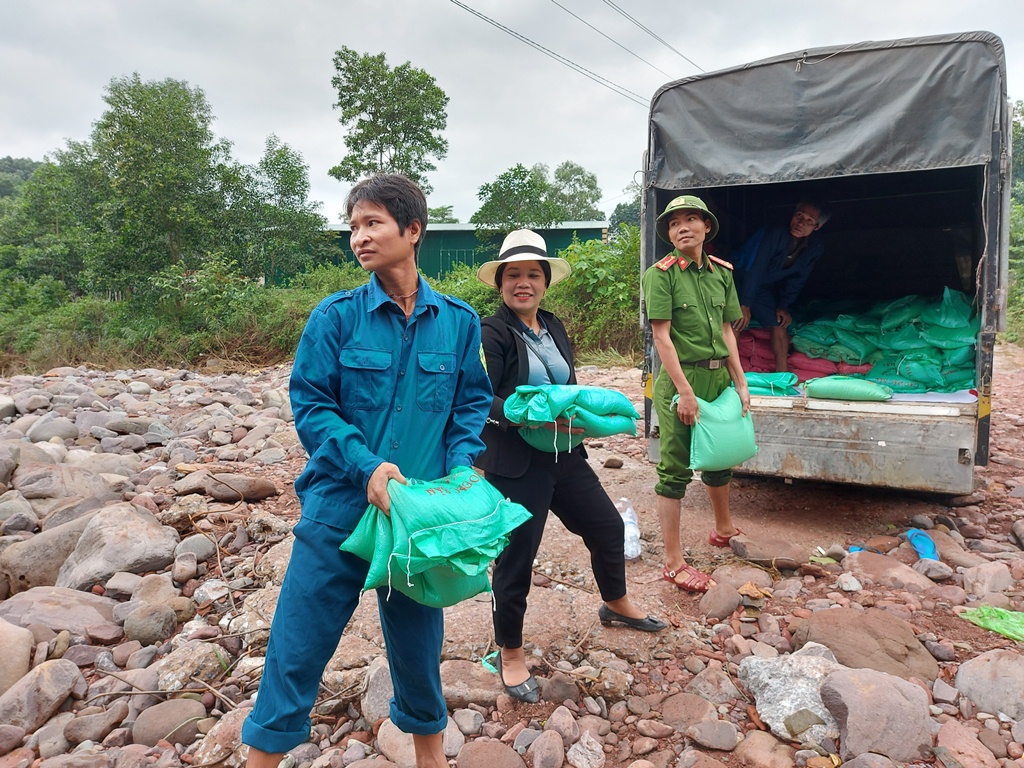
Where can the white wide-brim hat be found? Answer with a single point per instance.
(523, 245)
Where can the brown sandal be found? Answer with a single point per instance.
(695, 580)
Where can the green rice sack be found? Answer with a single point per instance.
(847, 388)
(723, 437)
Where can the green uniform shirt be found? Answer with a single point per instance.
(698, 301)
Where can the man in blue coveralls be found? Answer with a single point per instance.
(387, 383)
(771, 270)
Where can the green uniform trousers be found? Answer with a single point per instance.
(674, 472)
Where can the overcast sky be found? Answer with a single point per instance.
(266, 67)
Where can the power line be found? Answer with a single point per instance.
(634, 97)
(612, 5)
(627, 50)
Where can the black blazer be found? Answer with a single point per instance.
(507, 454)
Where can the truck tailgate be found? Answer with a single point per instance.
(923, 446)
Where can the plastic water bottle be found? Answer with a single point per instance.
(631, 538)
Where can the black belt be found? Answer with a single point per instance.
(712, 363)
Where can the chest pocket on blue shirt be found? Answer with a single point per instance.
(365, 378)
(435, 380)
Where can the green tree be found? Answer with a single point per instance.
(628, 211)
(55, 223)
(395, 117)
(15, 171)
(441, 215)
(574, 189)
(157, 148)
(281, 228)
(519, 197)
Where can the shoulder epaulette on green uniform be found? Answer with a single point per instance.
(717, 260)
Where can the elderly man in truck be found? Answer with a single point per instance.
(772, 268)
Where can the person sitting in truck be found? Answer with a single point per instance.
(772, 268)
(691, 301)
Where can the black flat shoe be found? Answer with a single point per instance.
(528, 691)
(647, 624)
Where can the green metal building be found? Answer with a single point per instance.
(448, 244)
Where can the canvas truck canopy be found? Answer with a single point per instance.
(906, 144)
(866, 108)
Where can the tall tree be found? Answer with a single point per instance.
(156, 146)
(395, 117)
(57, 224)
(628, 211)
(291, 228)
(575, 190)
(519, 197)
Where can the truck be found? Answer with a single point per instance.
(908, 141)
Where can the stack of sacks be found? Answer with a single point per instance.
(928, 346)
(755, 348)
(912, 344)
(806, 367)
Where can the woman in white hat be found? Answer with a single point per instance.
(524, 344)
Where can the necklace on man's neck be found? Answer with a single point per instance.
(404, 295)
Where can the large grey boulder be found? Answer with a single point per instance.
(175, 720)
(872, 568)
(994, 681)
(120, 537)
(52, 425)
(37, 561)
(32, 700)
(52, 481)
(105, 463)
(18, 644)
(786, 690)
(59, 608)
(871, 639)
(879, 713)
(13, 503)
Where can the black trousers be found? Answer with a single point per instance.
(569, 488)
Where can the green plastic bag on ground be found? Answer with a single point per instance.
(1007, 623)
(772, 384)
(723, 437)
(439, 539)
(847, 388)
(597, 411)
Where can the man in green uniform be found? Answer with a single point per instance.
(691, 302)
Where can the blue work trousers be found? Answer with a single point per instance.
(319, 594)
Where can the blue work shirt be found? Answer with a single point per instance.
(368, 386)
(762, 260)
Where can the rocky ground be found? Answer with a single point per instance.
(145, 521)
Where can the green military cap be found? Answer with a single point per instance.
(684, 203)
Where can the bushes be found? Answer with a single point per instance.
(600, 301)
(210, 310)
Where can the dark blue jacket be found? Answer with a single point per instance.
(368, 386)
(768, 248)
